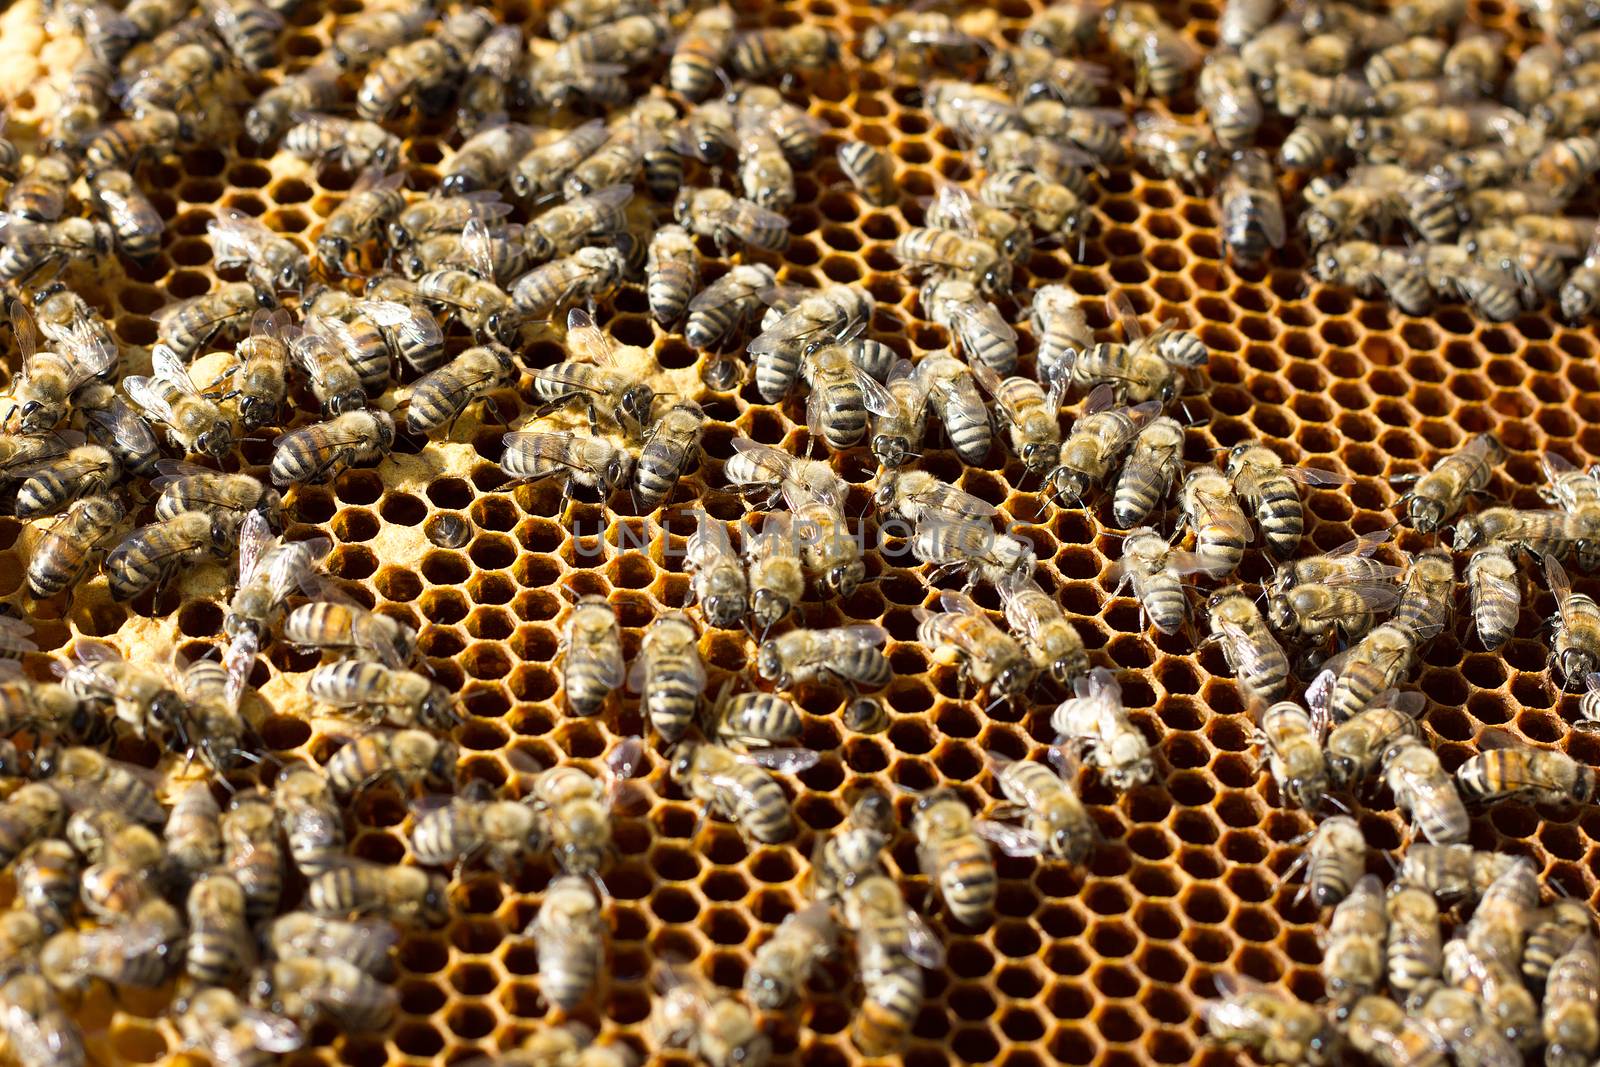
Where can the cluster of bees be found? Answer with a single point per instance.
(118, 882)
(1402, 122)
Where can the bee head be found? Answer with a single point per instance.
(266, 298)
(843, 578)
(399, 236)
(257, 411)
(1040, 456)
(216, 442)
(616, 471)
(436, 901)
(682, 761)
(769, 664)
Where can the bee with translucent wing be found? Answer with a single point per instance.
(988, 655)
(1155, 570)
(1055, 821)
(1266, 485)
(269, 572)
(738, 786)
(1437, 495)
(594, 379)
(271, 260)
(47, 380)
(1575, 643)
(716, 576)
(1095, 722)
(1505, 768)
(1270, 1022)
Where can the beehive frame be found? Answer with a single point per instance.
(1102, 965)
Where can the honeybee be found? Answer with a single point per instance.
(1153, 463)
(898, 434)
(669, 674)
(1097, 441)
(846, 654)
(953, 852)
(231, 1033)
(776, 570)
(1578, 492)
(1137, 370)
(870, 170)
(186, 326)
(1371, 666)
(1300, 93)
(1580, 294)
(193, 831)
(1379, 1028)
(402, 698)
(1210, 507)
(186, 487)
(33, 812)
(220, 943)
(913, 494)
(583, 275)
(593, 665)
(336, 623)
(365, 943)
(1063, 28)
(445, 214)
(963, 255)
(351, 144)
(1055, 822)
(726, 219)
(1453, 273)
(569, 933)
(983, 334)
(169, 396)
(1061, 329)
(322, 451)
(1369, 269)
(987, 654)
(1411, 59)
(1452, 872)
(1545, 532)
(1424, 790)
(1095, 722)
(1575, 644)
(1291, 740)
(1333, 607)
(51, 484)
(27, 246)
(952, 544)
(304, 989)
(1253, 654)
(310, 816)
(1252, 211)
(892, 945)
(716, 577)
(1355, 746)
(1269, 1022)
(211, 726)
(1314, 142)
(424, 72)
(362, 40)
(1267, 487)
(271, 259)
(700, 50)
(716, 1028)
(1033, 71)
(408, 757)
(1186, 152)
(1506, 1003)
(1052, 640)
(757, 468)
(1428, 601)
(374, 201)
(40, 191)
(785, 962)
(810, 321)
(1049, 205)
(493, 83)
(403, 894)
(48, 876)
(1552, 933)
(112, 423)
(842, 394)
(1227, 92)
(48, 379)
(1568, 1024)
(1499, 924)
(542, 170)
(1353, 959)
(137, 952)
(120, 145)
(672, 273)
(442, 395)
(719, 310)
(251, 853)
(88, 779)
(1334, 858)
(1156, 570)
(787, 51)
(36, 1026)
(1162, 59)
(149, 555)
(311, 90)
(765, 177)
(1506, 769)
(134, 221)
(483, 162)
(502, 832)
(739, 786)
(84, 101)
(912, 38)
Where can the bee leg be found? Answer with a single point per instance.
(335, 463)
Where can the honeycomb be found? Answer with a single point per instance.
(1106, 964)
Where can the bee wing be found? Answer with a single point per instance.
(765, 456)
(1314, 476)
(165, 364)
(496, 56)
(1100, 398)
(1122, 310)
(784, 760)
(146, 396)
(1364, 545)
(1220, 509)
(1182, 563)
(923, 945)
(1247, 646)
(34, 1040)
(1592, 681)
(1561, 587)
(954, 603)
(587, 341)
(720, 293)
(271, 1033)
(24, 328)
(954, 203)
(1012, 840)
(1554, 465)
(477, 244)
(1429, 790)
(983, 316)
(711, 534)
(1375, 596)
(549, 448)
(255, 542)
(235, 236)
(751, 223)
(1319, 696)
(609, 198)
(415, 327)
(14, 635)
